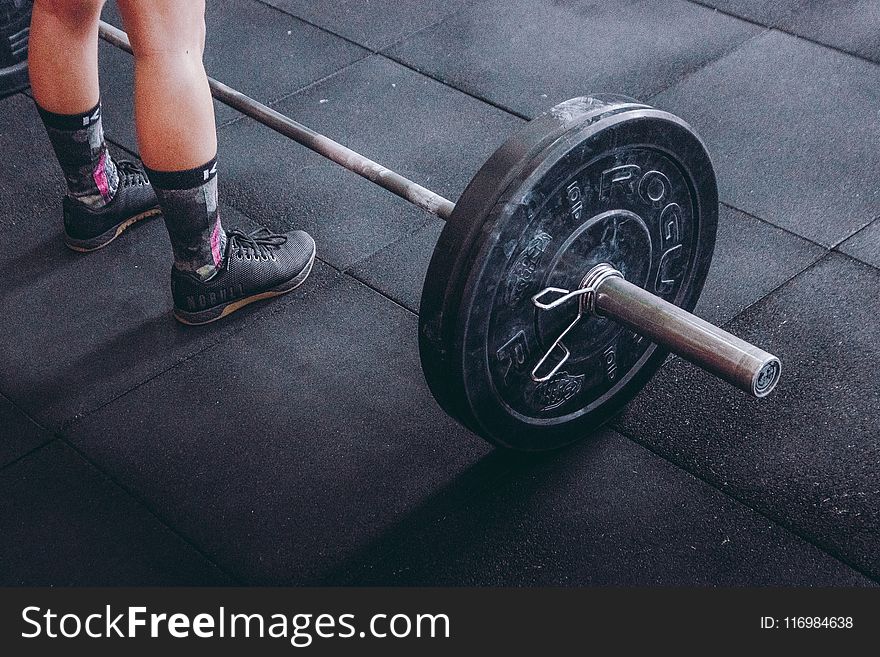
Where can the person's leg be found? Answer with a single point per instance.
(63, 55)
(174, 114)
(63, 66)
(214, 272)
(174, 111)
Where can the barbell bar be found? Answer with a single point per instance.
(606, 192)
(320, 144)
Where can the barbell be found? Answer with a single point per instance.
(567, 270)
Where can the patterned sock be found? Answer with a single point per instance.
(78, 141)
(192, 217)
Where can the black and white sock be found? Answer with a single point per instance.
(189, 204)
(78, 141)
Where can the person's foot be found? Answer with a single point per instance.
(256, 266)
(87, 229)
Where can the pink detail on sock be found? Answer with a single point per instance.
(215, 243)
(100, 177)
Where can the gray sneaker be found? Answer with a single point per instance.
(87, 229)
(256, 266)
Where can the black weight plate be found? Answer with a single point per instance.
(14, 29)
(13, 78)
(440, 299)
(587, 183)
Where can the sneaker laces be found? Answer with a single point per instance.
(259, 243)
(130, 174)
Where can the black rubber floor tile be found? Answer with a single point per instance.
(752, 258)
(80, 329)
(606, 512)
(865, 245)
(99, 325)
(65, 524)
(296, 444)
(806, 456)
(18, 433)
(528, 56)
(765, 12)
(426, 131)
(373, 24)
(399, 269)
(254, 48)
(31, 182)
(779, 117)
(850, 25)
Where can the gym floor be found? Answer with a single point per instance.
(297, 442)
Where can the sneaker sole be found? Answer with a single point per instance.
(102, 240)
(219, 312)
